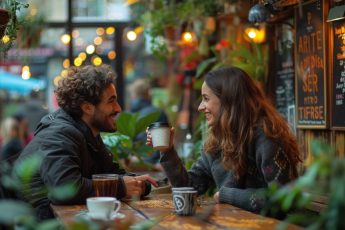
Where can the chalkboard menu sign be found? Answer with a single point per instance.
(338, 89)
(284, 69)
(310, 66)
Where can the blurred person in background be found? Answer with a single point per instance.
(141, 102)
(33, 110)
(24, 133)
(11, 144)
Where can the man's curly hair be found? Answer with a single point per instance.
(84, 83)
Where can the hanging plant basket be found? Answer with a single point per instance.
(4, 19)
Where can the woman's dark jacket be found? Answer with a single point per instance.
(70, 155)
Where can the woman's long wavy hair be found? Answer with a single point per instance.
(85, 83)
(244, 108)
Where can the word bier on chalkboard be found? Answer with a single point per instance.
(338, 89)
(310, 69)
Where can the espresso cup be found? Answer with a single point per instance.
(102, 207)
(160, 133)
(105, 184)
(185, 202)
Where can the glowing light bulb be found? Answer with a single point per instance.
(78, 61)
(110, 30)
(66, 63)
(82, 55)
(100, 31)
(131, 35)
(97, 61)
(112, 55)
(65, 38)
(26, 75)
(90, 49)
(252, 34)
(187, 37)
(5, 39)
(98, 41)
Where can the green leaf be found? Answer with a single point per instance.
(11, 182)
(63, 192)
(11, 210)
(27, 168)
(49, 224)
(144, 225)
(145, 150)
(204, 66)
(143, 122)
(198, 84)
(125, 124)
(289, 200)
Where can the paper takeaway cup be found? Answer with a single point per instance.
(160, 133)
(185, 202)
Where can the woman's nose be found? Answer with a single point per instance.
(201, 107)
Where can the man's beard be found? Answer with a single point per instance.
(100, 123)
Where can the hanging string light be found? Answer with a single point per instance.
(65, 39)
(26, 72)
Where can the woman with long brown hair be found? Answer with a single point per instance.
(248, 146)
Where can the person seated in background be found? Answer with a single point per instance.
(140, 94)
(69, 142)
(11, 144)
(24, 133)
(33, 110)
(248, 145)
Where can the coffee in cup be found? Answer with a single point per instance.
(105, 184)
(102, 207)
(160, 133)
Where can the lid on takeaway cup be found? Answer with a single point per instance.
(158, 125)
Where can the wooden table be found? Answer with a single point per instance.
(158, 210)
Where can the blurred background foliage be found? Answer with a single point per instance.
(325, 176)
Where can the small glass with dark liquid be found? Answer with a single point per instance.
(105, 184)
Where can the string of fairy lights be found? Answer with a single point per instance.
(90, 52)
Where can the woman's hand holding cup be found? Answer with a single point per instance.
(160, 136)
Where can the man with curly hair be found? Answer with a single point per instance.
(69, 142)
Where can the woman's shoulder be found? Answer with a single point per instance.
(264, 143)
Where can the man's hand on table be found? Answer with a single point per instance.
(135, 186)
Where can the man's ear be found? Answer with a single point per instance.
(87, 108)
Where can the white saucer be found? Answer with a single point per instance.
(86, 214)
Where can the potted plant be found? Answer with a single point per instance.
(29, 33)
(4, 18)
(251, 57)
(9, 23)
(123, 143)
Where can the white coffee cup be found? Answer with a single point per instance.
(160, 133)
(102, 207)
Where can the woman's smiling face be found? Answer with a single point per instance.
(210, 105)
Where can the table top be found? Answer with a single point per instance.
(158, 210)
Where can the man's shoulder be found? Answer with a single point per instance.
(57, 122)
